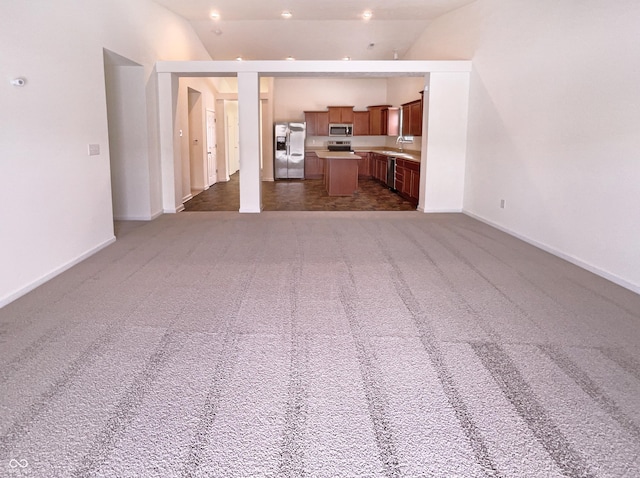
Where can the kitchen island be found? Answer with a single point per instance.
(340, 172)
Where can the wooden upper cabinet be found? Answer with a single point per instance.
(375, 120)
(322, 123)
(412, 118)
(360, 123)
(383, 120)
(416, 118)
(341, 114)
(391, 120)
(317, 123)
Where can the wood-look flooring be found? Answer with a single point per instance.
(300, 195)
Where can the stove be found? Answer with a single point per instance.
(339, 145)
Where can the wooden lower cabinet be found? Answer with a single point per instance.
(374, 165)
(341, 176)
(408, 179)
(378, 165)
(364, 170)
(313, 166)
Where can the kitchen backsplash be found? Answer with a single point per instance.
(316, 142)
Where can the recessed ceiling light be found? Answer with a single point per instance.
(215, 15)
(217, 31)
(366, 15)
(286, 14)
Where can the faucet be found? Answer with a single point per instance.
(400, 141)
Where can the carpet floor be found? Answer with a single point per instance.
(337, 344)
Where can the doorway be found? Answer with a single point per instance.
(128, 138)
(212, 149)
(198, 167)
(233, 138)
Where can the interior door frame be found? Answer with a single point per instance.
(212, 147)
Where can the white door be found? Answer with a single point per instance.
(212, 149)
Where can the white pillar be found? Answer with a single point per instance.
(445, 143)
(170, 164)
(424, 143)
(249, 139)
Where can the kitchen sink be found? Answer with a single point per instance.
(397, 154)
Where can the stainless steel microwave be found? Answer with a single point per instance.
(340, 129)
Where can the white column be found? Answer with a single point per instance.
(170, 164)
(444, 147)
(249, 139)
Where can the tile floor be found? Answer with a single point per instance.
(300, 195)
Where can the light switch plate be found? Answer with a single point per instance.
(94, 149)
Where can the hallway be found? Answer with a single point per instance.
(306, 195)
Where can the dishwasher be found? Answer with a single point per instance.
(391, 173)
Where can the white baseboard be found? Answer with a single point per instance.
(138, 218)
(178, 209)
(439, 211)
(250, 211)
(187, 198)
(562, 255)
(59, 270)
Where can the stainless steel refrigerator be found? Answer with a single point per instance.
(289, 150)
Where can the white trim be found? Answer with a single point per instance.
(250, 211)
(178, 209)
(569, 258)
(138, 218)
(187, 198)
(59, 270)
(377, 68)
(439, 211)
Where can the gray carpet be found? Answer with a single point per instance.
(320, 345)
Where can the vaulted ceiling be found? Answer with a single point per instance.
(317, 29)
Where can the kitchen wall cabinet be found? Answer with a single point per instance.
(412, 118)
(341, 114)
(317, 123)
(408, 179)
(313, 166)
(360, 123)
(383, 120)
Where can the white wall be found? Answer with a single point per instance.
(56, 200)
(128, 138)
(294, 96)
(442, 170)
(553, 123)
